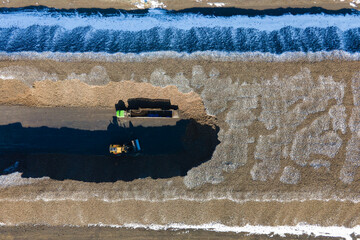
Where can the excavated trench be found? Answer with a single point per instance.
(83, 155)
(211, 98)
(50, 149)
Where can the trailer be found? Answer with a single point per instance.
(147, 113)
(146, 108)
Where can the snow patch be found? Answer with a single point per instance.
(26, 74)
(149, 4)
(15, 179)
(354, 3)
(318, 163)
(7, 77)
(97, 76)
(216, 4)
(199, 55)
(299, 229)
(290, 175)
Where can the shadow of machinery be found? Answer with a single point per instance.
(83, 155)
(136, 103)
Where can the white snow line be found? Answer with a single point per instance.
(216, 4)
(299, 229)
(6, 77)
(200, 55)
(353, 5)
(82, 198)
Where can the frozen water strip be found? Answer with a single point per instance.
(185, 21)
(88, 39)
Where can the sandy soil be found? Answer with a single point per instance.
(176, 5)
(164, 201)
(136, 71)
(68, 233)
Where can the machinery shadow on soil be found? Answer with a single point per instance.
(65, 153)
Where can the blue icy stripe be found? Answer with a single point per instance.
(87, 39)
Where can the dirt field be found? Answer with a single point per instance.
(260, 143)
(231, 187)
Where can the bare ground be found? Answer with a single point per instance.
(38, 202)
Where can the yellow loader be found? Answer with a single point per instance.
(128, 148)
